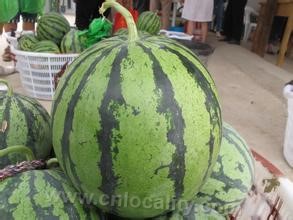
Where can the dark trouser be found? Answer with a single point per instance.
(233, 20)
(141, 5)
(86, 11)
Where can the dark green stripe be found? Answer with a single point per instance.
(109, 123)
(7, 210)
(175, 135)
(212, 104)
(76, 64)
(30, 121)
(241, 149)
(65, 142)
(228, 181)
(69, 208)
(3, 135)
(40, 109)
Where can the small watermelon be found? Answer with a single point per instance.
(43, 194)
(52, 26)
(25, 122)
(193, 212)
(232, 176)
(71, 42)
(46, 46)
(142, 116)
(150, 22)
(26, 42)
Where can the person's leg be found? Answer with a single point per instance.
(1, 28)
(190, 27)
(154, 5)
(219, 17)
(166, 11)
(227, 25)
(238, 15)
(204, 31)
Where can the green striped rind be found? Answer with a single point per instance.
(232, 176)
(28, 124)
(46, 46)
(71, 43)
(52, 26)
(143, 118)
(193, 212)
(43, 194)
(150, 22)
(27, 42)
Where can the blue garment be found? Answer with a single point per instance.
(219, 14)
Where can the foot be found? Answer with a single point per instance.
(218, 35)
(224, 39)
(235, 42)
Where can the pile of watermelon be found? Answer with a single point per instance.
(53, 35)
(136, 129)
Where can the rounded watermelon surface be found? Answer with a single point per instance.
(193, 212)
(23, 122)
(71, 43)
(43, 194)
(150, 22)
(52, 26)
(46, 46)
(142, 117)
(27, 42)
(232, 176)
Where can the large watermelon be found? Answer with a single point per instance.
(52, 26)
(25, 122)
(43, 194)
(193, 212)
(232, 176)
(45, 46)
(71, 42)
(137, 120)
(26, 42)
(150, 22)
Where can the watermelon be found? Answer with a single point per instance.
(26, 42)
(195, 211)
(52, 26)
(23, 122)
(46, 46)
(136, 120)
(150, 22)
(232, 176)
(43, 194)
(71, 43)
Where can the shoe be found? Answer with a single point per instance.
(219, 35)
(225, 39)
(235, 42)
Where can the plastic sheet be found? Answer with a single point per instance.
(288, 141)
(99, 29)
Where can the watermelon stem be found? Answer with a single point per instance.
(20, 149)
(52, 162)
(9, 88)
(131, 26)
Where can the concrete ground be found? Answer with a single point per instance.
(250, 91)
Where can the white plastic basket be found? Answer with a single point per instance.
(37, 71)
(13, 41)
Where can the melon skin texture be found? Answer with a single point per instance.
(137, 124)
(232, 176)
(24, 122)
(43, 194)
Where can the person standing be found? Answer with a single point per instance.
(141, 5)
(218, 13)
(233, 21)
(165, 8)
(198, 12)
